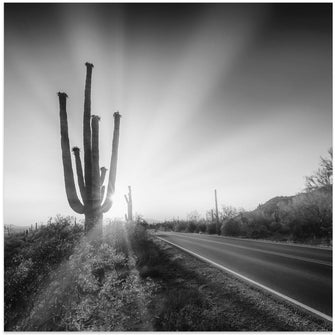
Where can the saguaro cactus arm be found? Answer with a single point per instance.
(80, 175)
(71, 193)
(103, 171)
(112, 173)
(102, 179)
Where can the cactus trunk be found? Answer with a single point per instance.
(87, 132)
(96, 194)
(93, 223)
(112, 173)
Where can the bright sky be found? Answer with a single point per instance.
(236, 98)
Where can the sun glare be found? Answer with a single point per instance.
(179, 131)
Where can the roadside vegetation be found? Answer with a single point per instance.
(305, 217)
(58, 279)
(29, 259)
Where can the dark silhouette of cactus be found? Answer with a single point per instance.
(90, 181)
(129, 201)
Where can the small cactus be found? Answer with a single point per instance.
(129, 201)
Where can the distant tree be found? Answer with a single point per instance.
(323, 176)
(210, 216)
(312, 215)
(228, 212)
(193, 216)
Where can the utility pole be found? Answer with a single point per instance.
(216, 212)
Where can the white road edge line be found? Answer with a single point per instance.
(310, 309)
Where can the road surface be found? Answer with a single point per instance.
(298, 272)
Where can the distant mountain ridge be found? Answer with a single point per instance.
(270, 206)
(302, 217)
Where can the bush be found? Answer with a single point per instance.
(231, 228)
(202, 227)
(95, 287)
(181, 226)
(191, 227)
(97, 290)
(211, 228)
(28, 261)
(309, 215)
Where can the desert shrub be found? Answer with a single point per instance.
(181, 226)
(167, 226)
(255, 224)
(202, 227)
(28, 261)
(114, 234)
(211, 228)
(275, 227)
(191, 227)
(231, 228)
(309, 215)
(96, 288)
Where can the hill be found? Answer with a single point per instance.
(303, 217)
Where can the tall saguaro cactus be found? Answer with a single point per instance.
(129, 201)
(90, 181)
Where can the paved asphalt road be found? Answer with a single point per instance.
(299, 272)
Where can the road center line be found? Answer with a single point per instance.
(311, 260)
(283, 296)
